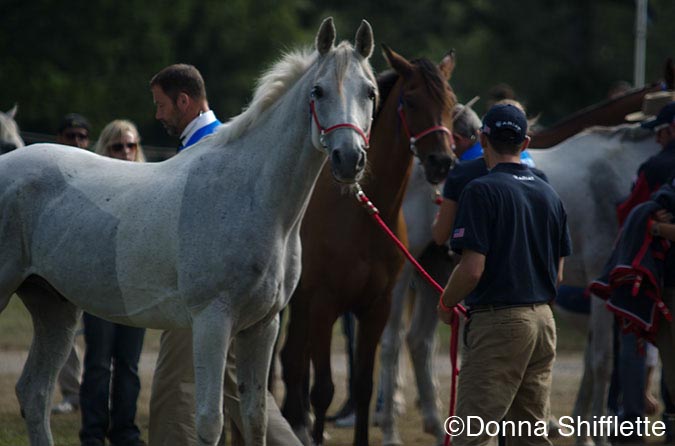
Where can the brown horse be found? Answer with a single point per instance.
(348, 263)
(607, 113)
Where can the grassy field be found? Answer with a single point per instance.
(15, 337)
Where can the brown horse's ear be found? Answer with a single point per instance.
(447, 64)
(399, 63)
(364, 40)
(325, 38)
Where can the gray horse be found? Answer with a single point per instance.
(209, 239)
(419, 208)
(592, 172)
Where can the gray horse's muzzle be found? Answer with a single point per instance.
(347, 163)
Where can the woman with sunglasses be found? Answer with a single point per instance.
(120, 139)
(110, 384)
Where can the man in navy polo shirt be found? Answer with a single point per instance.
(466, 128)
(511, 229)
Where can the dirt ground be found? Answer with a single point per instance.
(567, 374)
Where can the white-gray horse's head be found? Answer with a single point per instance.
(9, 131)
(342, 100)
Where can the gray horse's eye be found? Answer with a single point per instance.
(371, 93)
(317, 92)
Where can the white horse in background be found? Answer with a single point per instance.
(209, 239)
(10, 138)
(419, 209)
(591, 172)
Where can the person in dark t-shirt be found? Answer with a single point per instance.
(511, 230)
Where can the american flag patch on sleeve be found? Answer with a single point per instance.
(458, 233)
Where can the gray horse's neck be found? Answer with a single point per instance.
(276, 170)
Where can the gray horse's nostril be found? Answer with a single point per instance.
(362, 161)
(335, 158)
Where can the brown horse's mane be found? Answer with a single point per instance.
(432, 79)
(385, 83)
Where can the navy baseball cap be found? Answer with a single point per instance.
(665, 116)
(505, 123)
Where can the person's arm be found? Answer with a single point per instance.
(639, 194)
(661, 225)
(442, 225)
(561, 265)
(463, 280)
(665, 230)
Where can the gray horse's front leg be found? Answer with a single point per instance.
(211, 333)
(421, 342)
(602, 358)
(253, 348)
(390, 347)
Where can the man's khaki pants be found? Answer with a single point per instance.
(172, 399)
(506, 375)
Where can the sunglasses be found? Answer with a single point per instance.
(75, 135)
(119, 147)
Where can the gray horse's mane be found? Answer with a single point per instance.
(270, 87)
(626, 132)
(278, 80)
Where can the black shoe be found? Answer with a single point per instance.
(345, 411)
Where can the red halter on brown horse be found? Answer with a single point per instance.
(348, 263)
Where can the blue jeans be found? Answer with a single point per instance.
(110, 383)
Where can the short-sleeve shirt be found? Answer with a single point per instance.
(465, 171)
(519, 223)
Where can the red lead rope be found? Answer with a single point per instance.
(372, 210)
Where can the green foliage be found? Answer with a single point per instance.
(96, 57)
(16, 329)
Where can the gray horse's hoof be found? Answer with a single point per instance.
(303, 435)
(395, 440)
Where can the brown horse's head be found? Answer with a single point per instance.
(425, 110)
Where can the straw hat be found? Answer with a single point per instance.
(651, 105)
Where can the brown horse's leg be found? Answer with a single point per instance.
(295, 368)
(371, 326)
(323, 388)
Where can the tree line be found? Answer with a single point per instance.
(96, 57)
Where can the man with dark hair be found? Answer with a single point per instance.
(511, 230)
(179, 94)
(73, 131)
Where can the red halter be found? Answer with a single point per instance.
(325, 131)
(423, 133)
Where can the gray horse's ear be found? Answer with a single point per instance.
(325, 38)
(364, 41)
(399, 63)
(447, 64)
(13, 110)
